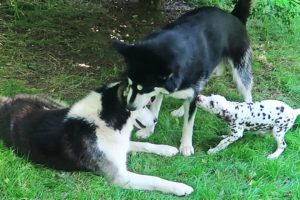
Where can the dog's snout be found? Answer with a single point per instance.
(199, 98)
(131, 107)
(155, 120)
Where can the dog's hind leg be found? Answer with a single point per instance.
(132, 180)
(160, 149)
(155, 108)
(278, 134)
(186, 146)
(242, 74)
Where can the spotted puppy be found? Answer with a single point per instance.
(258, 116)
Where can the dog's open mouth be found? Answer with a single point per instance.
(140, 124)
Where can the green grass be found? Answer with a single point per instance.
(41, 45)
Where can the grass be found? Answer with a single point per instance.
(42, 44)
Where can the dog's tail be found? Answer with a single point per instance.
(297, 112)
(242, 10)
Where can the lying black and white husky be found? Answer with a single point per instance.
(179, 59)
(92, 135)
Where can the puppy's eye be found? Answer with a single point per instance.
(139, 87)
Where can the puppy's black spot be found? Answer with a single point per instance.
(212, 104)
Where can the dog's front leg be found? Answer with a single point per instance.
(155, 107)
(186, 147)
(235, 134)
(160, 149)
(132, 180)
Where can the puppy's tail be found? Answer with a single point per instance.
(242, 10)
(297, 112)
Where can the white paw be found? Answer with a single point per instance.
(212, 151)
(181, 189)
(143, 133)
(178, 113)
(186, 150)
(166, 150)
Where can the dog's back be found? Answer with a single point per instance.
(33, 127)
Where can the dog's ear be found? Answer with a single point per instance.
(174, 79)
(226, 115)
(173, 82)
(122, 47)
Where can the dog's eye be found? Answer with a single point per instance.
(139, 87)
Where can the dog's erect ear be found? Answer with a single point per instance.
(122, 47)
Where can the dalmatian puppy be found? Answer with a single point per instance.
(258, 116)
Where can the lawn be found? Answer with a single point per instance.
(62, 49)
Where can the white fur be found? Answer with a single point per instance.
(115, 145)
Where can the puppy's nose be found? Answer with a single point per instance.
(155, 120)
(199, 98)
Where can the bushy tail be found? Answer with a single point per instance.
(242, 10)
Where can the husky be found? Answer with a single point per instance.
(179, 59)
(92, 135)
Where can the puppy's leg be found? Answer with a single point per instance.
(242, 75)
(186, 146)
(235, 135)
(178, 112)
(128, 179)
(160, 149)
(278, 134)
(155, 107)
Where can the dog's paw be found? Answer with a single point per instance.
(181, 189)
(186, 150)
(143, 133)
(166, 150)
(273, 156)
(212, 151)
(178, 112)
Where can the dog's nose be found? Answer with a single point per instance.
(131, 107)
(155, 120)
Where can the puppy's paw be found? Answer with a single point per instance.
(186, 150)
(166, 150)
(178, 112)
(212, 151)
(143, 133)
(181, 189)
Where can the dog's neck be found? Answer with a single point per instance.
(114, 111)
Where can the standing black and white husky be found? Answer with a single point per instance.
(179, 59)
(93, 135)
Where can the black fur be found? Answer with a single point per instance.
(189, 48)
(42, 132)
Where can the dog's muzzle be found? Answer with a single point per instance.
(130, 107)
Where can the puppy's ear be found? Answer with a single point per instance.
(121, 47)
(226, 115)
